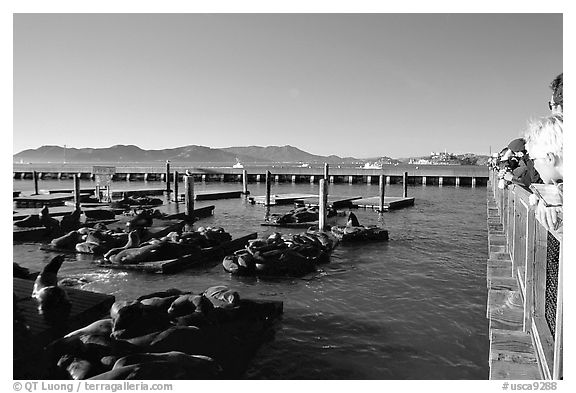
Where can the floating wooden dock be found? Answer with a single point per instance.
(89, 191)
(390, 203)
(38, 201)
(201, 212)
(333, 200)
(87, 307)
(280, 199)
(213, 195)
(186, 261)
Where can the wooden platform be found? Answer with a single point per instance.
(87, 307)
(42, 199)
(213, 195)
(187, 261)
(280, 199)
(201, 212)
(89, 191)
(137, 192)
(333, 200)
(55, 211)
(390, 203)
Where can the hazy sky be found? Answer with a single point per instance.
(359, 85)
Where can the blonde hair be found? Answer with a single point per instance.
(545, 136)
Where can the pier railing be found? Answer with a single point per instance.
(536, 256)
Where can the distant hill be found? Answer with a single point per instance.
(194, 153)
(130, 153)
(284, 154)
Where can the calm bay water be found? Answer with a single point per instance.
(411, 308)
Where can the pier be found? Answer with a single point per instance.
(524, 280)
(425, 175)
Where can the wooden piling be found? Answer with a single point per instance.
(35, 177)
(244, 181)
(405, 184)
(268, 186)
(326, 171)
(189, 196)
(176, 186)
(76, 190)
(168, 178)
(322, 201)
(382, 190)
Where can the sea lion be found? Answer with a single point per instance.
(222, 296)
(31, 221)
(142, 219)
(72, 220)
(160, 370)
(83, 369)
(158, 304)
(90, 248)
(67, 241)
(101, 327)
(187, 339)
(50, 223)
(196, 366)
(135, 255)
(49, 275)
(352, 220)
(133, 319)
(54, 305)
(166, 293)
(133, 241)
(187, 304)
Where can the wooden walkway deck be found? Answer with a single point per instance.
(87, 307)
(512, 354)
(390, 203)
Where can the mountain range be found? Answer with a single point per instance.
(192, 153)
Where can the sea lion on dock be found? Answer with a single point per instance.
(53, 302)
(187, 304)
(133, 241)
(352, 220)
(67, 241)
(71, 221)
(196, 366)
(100, 327)
(48, 277)
(47, 221)
(31, 221)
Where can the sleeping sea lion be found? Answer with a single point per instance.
(196, 366)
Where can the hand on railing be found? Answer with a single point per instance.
(549, 216)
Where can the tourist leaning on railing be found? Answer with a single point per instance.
(515, 166)
(544, 142)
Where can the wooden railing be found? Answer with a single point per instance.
(536, 256)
